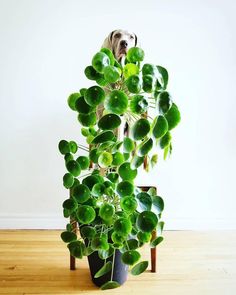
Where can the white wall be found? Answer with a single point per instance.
(44, 48)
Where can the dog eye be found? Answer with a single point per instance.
(118, 35)
(131, 37)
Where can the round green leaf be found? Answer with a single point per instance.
(113, 177)
(84, 162)
(73, 167)
(173, 116)
(116, 102)
(157, 204)
(164, 101)
(138, 104)
(109, 122)
(128, 145)
(147, 221)
(135, 54)
(68, 157)
(73, 147)
(130, 257)
(149, 69)
(77, 249)
(100, 61)
(105, 159)
(148, 83)
(81, 193)
(111, 74)
(134, 84)
(72, 100)
(160, 126)
(106, 211)
(139, 268)
(144, 201)
(130, 69)
(94, 96)
(132, 244)
(126, 173)
(82, 106)
(103, 270)
(103, 136)
(91, 73)
(86, 214)
(70, 204)
(140, 129)
(164, 75)
(125, 188)
(144, 237)
(128, 204)
(98, 189)
(136, 162)
(87, 120)
(118, 158)
(118, 239)
(64, 147)
(109, 53)
(68, 180)
(122, 226)
(156, 241)
(91, 180)
(110, 285)
(68, 236)
(87, 232)
(101, 81)
(165, 140)
(99, 243)
(145, 147)
(93, 155)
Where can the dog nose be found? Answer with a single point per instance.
(124, 43)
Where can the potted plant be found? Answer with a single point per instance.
(115, 218)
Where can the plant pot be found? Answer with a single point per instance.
(120, 271)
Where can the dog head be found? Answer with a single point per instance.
(119, 42)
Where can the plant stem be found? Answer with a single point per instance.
(113, 263)
(85, 175)
(86, 150)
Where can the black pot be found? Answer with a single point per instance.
(120, 271)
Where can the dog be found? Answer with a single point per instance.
(119, 42)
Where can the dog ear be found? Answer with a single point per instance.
(136, 40)
(108, 41)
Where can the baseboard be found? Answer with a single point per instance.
(31, 221)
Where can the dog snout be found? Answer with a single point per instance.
(123, 43)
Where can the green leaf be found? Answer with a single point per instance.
(160, 227)
(104, 254)
(103, 136)
(140, 129)
(139, 268)
(164, 75)
(144, 201)
(159, 126)
(68, 236)
(156, 241)
(105, 269)
(166, 152)
(145, 147)
(152, 191)
(173, 116)
(110, 285)
(109, 122)
(157, 204)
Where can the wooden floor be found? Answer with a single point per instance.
(37, 262)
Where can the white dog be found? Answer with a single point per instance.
(119, 42)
